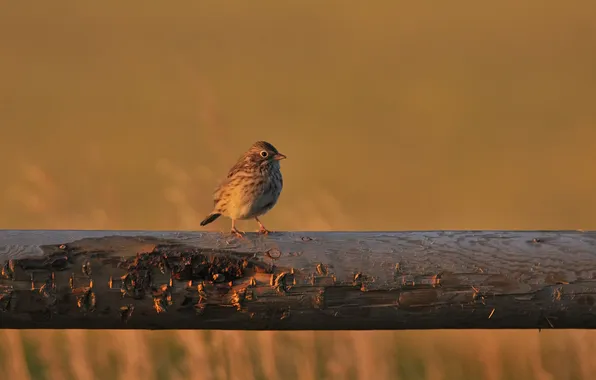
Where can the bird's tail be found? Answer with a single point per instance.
(210, 218)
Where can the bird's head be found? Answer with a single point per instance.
(264, 153)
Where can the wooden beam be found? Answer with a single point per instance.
(296, 281)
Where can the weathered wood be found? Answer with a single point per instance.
(294, 281)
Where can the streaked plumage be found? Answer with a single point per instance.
(251, 188)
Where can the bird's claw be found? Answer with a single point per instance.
(263, 231)
(239, 234)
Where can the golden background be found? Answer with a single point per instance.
(394, 115)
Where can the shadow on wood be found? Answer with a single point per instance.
(297, 281)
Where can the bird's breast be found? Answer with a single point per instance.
(251, 193)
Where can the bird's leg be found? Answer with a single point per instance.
(262, 229)
(235, 231)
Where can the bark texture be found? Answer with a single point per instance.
(297, 281)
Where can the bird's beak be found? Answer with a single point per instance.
(279, 156)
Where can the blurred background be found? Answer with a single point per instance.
(394, 115)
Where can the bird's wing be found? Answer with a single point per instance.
(240, 165)
(219, 190)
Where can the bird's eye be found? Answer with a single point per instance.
(264, 153)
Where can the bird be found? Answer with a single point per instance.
(251, 189)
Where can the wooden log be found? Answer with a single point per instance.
(297, 281)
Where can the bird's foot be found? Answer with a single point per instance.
(239, 234)
(263, 231)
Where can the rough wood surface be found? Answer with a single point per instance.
(294, 281)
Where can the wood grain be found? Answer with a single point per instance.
(296, 281)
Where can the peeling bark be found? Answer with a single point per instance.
(297, 281)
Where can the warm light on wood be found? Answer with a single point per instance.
(296, 281)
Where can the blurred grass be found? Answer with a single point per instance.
(492, 355)
(394, 115)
